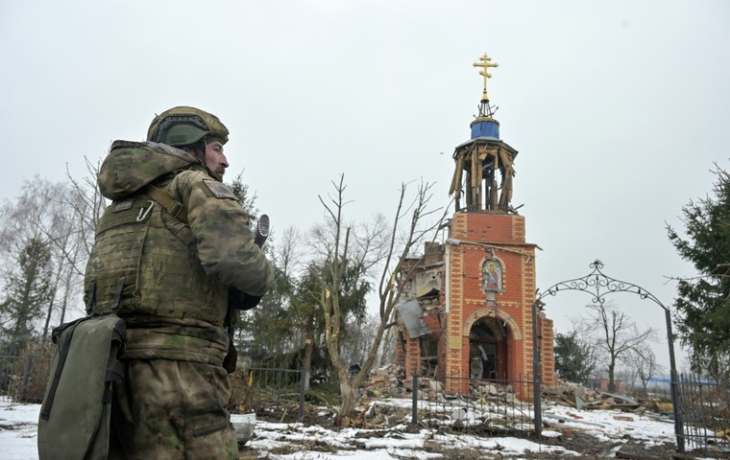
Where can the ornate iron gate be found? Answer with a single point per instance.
(599, 285)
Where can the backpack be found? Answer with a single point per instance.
(75, 417)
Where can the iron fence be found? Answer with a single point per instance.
(705, 407)
(273, 394)
(484, 407)
(276, 394)
(23, 378)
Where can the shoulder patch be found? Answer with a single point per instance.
(219, 190)
(122, 205)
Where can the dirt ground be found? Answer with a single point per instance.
(585, 445)
(588, 447)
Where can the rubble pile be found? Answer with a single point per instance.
(391, 381)
(387, 381)
(487, 400)
(490, 391)
(580, 397)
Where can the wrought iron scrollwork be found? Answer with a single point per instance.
(598, 285)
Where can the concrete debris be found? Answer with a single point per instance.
(580, 397)
(390, 381)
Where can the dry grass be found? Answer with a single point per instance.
(30, 373)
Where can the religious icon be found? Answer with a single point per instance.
(492, 276)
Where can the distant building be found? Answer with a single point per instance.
(601, 384)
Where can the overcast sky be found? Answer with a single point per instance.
(618, 108)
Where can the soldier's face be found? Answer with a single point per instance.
(215, 159)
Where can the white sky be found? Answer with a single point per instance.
(18, 435)
(618, 108)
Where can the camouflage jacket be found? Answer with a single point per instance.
(168, 278)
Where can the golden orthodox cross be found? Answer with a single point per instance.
(485, 64)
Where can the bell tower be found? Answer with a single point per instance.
(490, 267)
(484, 159)
(466, 312)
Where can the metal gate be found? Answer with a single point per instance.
(705, 407)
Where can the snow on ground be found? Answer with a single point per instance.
(18, 427)
(612, 424)
(388, 444)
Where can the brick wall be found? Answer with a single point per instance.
(501, 236)
(481, 236)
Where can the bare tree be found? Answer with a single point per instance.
(88, 205)
(616, 335)
(365, 247)
(575, 355)
(287, 254)
(39, 215)
(63, 215)
(643, 364)
(358, 340)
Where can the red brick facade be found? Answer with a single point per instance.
(463, 323)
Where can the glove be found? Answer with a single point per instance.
(241, 301)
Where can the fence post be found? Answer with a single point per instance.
(674, 384)
(536, 377)
(414, 410)
(26, 375)
(302, 393)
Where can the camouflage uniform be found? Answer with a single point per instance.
(169, 280)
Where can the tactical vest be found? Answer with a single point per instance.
(144, 261)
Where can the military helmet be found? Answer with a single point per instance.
(182, 125)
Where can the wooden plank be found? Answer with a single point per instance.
(456, 181)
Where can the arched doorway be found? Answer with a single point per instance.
(487, 350)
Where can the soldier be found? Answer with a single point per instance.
(169, 247)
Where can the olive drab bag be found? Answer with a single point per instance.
(75, 416)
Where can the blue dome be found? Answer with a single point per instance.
(485, 127)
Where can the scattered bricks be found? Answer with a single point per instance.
(435, 385)
(623, 418)
(381, 381)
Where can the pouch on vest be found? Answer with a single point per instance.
(76, 411)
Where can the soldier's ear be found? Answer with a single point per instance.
(196, 150)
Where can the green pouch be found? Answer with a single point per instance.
(75, 415)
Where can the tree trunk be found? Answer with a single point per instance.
(611, 383)
(48, 316)
(349, 399)
(63, 308)
(308, 351)
(67, 289)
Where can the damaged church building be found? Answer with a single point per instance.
(466, 306)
